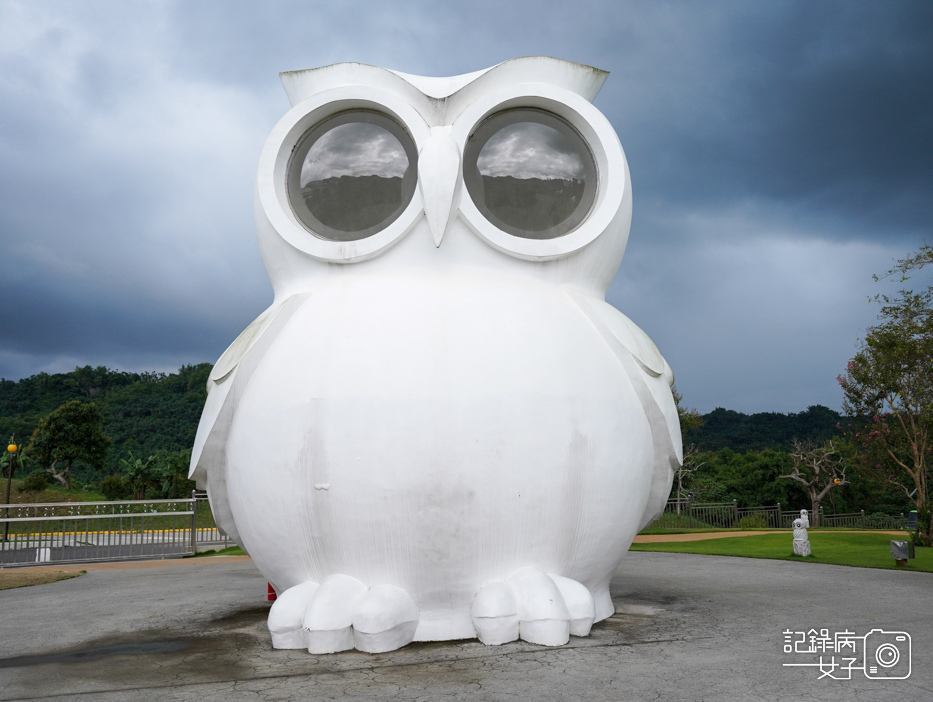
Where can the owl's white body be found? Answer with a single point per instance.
(435, 426)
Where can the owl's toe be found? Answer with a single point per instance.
(495, 614)
(385, 619)
(580, 604)
(542, 614)
(328, 620)
(287, 616)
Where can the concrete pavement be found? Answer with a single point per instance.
(687, 628)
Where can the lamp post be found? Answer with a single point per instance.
(12, 448)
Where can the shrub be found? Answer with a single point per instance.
(113, 487)
(916, 536)
(756, 520)
(671, 520)
(37, 481)
(880, 520)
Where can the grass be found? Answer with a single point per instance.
(859, 549)
(229, 551)
(53, 493)
(12, 579)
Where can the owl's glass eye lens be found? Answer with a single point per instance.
(530, 173)
(352, 175)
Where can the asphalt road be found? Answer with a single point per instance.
(687, 628)
(68, 554)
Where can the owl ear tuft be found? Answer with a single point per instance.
(300, 85)
(585, 81)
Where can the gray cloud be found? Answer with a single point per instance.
(780, 155)
(354, 149)
(530, 150)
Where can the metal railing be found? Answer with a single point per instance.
(76, 532)
(207, 534)
(686, 514)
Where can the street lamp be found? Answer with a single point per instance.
(12, 448)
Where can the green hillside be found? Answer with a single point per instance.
(143, 412)
(724, 428)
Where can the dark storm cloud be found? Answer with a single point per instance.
(90, 323)
(780, 155)
(822, 106)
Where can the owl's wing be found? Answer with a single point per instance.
(652, 378)
(228, 373)
(226, 382)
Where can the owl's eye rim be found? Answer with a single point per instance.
(275, 218)
(612, 209)
(312, 135)
(498, 121)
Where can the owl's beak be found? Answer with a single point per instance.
(440, 182)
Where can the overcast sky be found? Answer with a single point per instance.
(780, 155)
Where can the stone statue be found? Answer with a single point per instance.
(801, 540)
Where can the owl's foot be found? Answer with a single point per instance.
(538, 608)
(343, 613)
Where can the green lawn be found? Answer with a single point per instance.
(229, 551)
(53, 493)
(13, 578)
(860, 549)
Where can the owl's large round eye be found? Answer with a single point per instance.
(530, 173)
(352, 175)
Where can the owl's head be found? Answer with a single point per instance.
(510, 168)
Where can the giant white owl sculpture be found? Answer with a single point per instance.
(439, 429)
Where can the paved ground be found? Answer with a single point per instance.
(687, 628)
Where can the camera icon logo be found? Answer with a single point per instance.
(887, 655)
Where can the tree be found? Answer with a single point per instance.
(89, 381)
(73, 432)
(164, 475)
(888, 384)
(819, 469)
(139, 475)
(689, 418)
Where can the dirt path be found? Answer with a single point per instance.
(703, 536)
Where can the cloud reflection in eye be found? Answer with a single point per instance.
(354, 149)
(352, 175)
(530, 173)
(530, 150)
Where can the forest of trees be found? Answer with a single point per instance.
(150, 418)
(745, 457)
(724, 428)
